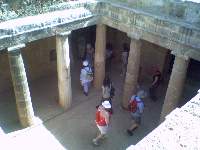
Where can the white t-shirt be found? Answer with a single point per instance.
(106, 91)
(86, 75)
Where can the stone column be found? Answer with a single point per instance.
(21, 88)
(99, 62)
(131, 79)
(63, 69)
(175, 86)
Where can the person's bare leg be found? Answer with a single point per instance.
(132, 128)
(99, 137)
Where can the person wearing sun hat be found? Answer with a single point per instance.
(86, 77)
(102, 120)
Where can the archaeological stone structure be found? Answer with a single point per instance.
(167, 27)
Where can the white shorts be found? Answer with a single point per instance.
(103, 129)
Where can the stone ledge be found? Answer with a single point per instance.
(176, 47)
(30, 32)
(32, 23)
(174, 30)
(13, 9)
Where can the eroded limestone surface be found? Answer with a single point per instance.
(172, 24)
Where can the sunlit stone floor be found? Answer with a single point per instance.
(75, 128)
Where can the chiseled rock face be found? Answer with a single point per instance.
(187, 10)
(10, 9)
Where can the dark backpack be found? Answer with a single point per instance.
(112, 91)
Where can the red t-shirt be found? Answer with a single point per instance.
(100, 120)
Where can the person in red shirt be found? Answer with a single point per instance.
(155, 84)
(102, 120)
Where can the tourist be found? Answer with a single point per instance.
(80, 43)
(109, 56)
(108, 91)
(136, 107)
(124, 57)
(106, 88)
(155, 84)
(86, 77)
(89, 54)
(103, 116)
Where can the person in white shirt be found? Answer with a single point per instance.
(86, 77)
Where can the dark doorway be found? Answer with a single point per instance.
(192, 82)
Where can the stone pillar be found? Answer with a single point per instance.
(21, 88)
(175, 86)
(63, 69)
(131, 79)
(99, 62)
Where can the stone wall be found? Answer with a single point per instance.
(176, 36)
(159, 28)
(37, 59)
(36, 56)
(117, 38)
(151, 56)
(79, 39)
(187, 11)
(5, 76)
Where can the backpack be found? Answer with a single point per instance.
(112, 91)
(89, 74)
(133, 105)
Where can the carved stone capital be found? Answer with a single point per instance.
(134, 35)
(63, 33)
(16, 47)
(178, 54)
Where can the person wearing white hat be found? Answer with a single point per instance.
(103, 116)
(85, 63)
(86, 77)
